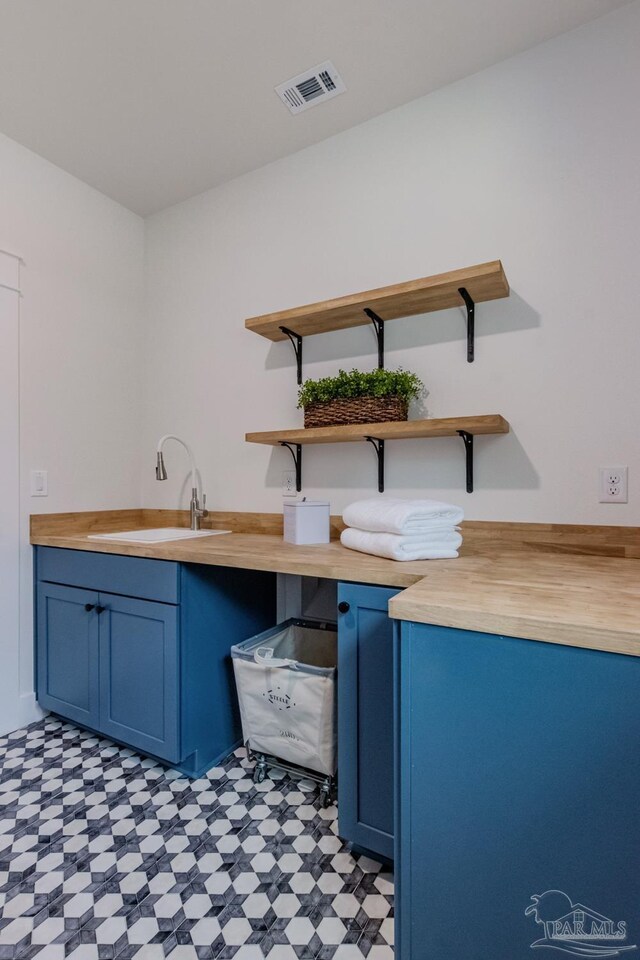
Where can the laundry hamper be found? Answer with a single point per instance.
(286, 681)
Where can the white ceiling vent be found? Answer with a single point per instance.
(311, 87)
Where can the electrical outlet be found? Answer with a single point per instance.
(289, 483)
(614, 484)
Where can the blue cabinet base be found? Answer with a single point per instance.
(150, 669)
(518, 777)
(199, 762)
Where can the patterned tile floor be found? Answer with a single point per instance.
(105, 854)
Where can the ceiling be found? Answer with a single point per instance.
(153, 101)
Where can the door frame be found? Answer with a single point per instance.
(10, 512)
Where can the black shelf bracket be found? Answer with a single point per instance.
(468, 449)
(378, 446)
(296, 343)
(471, 316)
(297, 459)
(378, 326)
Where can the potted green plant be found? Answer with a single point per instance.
(357, 397)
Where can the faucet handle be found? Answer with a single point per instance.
(205, 512)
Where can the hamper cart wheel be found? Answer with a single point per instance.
(326, 794)
(260, 770)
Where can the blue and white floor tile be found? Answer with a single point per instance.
(105, 855)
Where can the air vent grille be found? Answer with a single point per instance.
(312, 87)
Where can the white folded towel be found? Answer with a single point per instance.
(444, 546)
(388, 515)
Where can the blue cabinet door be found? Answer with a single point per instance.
(67, 652)
(519, 778)
(139, 674)
(365, 718)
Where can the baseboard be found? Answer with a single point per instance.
(29, 709)
(25, 711)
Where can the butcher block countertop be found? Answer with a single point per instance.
(580, 601)
(262, 550)
(571, 585)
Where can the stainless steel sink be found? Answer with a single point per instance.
(159, 535)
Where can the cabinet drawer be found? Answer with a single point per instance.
(111, 573)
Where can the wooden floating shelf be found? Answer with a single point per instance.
(378, 433)
(457, 288)
(394, 430)
(485, 281)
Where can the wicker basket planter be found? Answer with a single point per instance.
(344, 410)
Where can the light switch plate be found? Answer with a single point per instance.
(39, 483)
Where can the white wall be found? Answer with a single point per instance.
(534, 161)
(80, 338)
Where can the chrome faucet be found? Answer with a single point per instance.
(196, 511)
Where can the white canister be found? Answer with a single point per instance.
(307, 521)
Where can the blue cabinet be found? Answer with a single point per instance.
(365, 717)
(139, 649)
(518, 779)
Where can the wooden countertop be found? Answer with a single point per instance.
(580, 601)
(512, 582)
(258, 551)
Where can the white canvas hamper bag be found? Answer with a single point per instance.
(286, 681)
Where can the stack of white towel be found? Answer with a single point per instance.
(403, 529)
